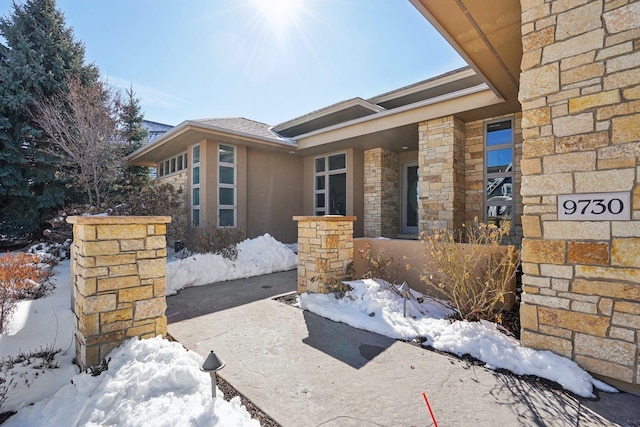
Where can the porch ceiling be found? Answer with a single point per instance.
(487, 35)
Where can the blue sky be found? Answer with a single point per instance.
(266, 60)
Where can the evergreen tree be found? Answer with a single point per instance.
(133, 135)
(39, 56)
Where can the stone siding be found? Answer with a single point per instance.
(179, 181)
(580, 96)
(441, 160)
(118, 282)
(381, 193)
(325, 251)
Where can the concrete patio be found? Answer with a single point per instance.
(305, 370)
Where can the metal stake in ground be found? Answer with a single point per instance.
(404, 289)
(212, 365)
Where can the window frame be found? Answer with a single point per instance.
(172, 165)
(195, 209)
(326, 173)
(508, 174)
(233, 186)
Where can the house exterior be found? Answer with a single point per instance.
(542, 130)
(357, 157)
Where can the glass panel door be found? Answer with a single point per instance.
(409, 198)
(338, 194)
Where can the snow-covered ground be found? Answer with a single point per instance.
(371, 306)
(262, 255)
(149, 382)
(155, 382)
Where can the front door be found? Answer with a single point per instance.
(409, 198)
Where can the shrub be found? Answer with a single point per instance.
(159, 200)
(21, 276)
(380, 267)
(214, 240)
(474, 277)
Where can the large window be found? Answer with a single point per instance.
(227, 178)
(172, 165)
(330, 185)
(499, 176)
(195, 186)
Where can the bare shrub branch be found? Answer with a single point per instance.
(82, 128)
(475, 277)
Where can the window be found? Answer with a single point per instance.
(227, 186)
(330, 185)
(172, 165)
(499, 176)
(195, 186)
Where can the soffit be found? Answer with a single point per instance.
(485, 33)
(337, 113)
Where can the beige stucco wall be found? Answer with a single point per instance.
(274, 194)
(410, 260)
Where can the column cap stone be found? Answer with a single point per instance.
(325, 218)
(99, 220)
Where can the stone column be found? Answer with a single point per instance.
(381, 193)
(118, 271)
(325, 250)
(441, 161)
(580, 96)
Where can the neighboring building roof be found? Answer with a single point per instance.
(242, 125)
(155, 129)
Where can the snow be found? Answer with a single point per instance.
(156, 382)
(262, 255)
(149, 382)
(371, 306)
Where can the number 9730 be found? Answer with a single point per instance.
(594, 206)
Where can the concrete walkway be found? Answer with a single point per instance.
(304, 370)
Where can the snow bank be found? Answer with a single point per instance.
(149, 382)
(369, 306)
(262, 255)
(38, 324)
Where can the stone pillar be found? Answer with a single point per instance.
(441, 161)
(580, 96)
(325, 250)
(118, 271)
(381, 193)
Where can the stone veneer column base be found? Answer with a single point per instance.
(118, 267)
(325, 251)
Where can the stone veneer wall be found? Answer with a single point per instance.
(118, 273)
(580, 96)
(179, 180)
(325, 250)
(441, 161)
(474, 172)
(381, 193)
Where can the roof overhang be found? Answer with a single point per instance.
(340, 112)
(487, 34)
(191, 132)
(396, 128)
